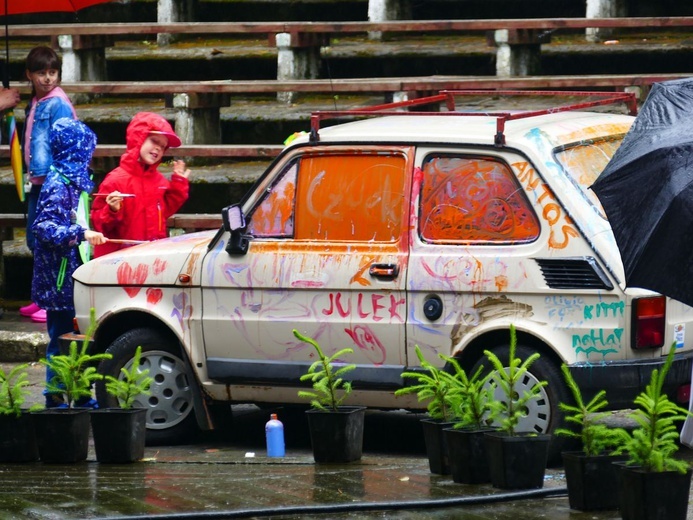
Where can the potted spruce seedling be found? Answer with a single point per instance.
(471, 404)
(440, 390)
(336, 431)
(517, 460)
(653, 482)
(120, 432)
(63, 433)
(17, 437)
(590, 473)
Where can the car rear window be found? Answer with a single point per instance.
(474, 200)
(584, 161)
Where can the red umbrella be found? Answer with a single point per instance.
(46, 6)
(12, 7)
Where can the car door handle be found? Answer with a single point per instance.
(388, 271)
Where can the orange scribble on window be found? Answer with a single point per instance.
(351, 197)
(595, 131)
(584, 161)
(274, 216)
(466, 199)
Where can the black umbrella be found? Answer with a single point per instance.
(647, 193)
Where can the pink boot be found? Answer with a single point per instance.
(29, 310)
(39, 316)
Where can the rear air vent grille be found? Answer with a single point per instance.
(573, 273)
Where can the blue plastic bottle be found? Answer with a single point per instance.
(274, 433)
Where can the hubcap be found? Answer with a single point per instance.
(170, 400)
(538, 412)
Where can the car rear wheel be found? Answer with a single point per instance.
(170, 413)
(542, 415)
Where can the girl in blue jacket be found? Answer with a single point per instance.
(48, 104)
(57, 232)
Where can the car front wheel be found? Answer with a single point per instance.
(169, 405)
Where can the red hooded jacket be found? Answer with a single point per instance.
(142, 217)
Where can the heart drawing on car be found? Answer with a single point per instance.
(131, 278)
(154, 296)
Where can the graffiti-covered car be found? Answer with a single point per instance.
(380, 234)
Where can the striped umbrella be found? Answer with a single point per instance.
(15, 154)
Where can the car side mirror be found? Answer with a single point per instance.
(233, 218)
(234, 222)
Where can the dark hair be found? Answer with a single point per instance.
(42, 58)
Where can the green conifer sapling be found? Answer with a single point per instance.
(326, 378)
(134, 382)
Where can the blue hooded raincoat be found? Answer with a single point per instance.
(56, 229)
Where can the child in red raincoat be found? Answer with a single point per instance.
(135, 199)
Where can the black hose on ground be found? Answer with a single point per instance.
(354, 507)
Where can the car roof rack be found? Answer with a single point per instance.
(448, 97)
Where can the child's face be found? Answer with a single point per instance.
(44, 81)
(153, 149)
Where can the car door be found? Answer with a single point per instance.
(475, 227)
(327, 255)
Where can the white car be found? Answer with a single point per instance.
(391, 231)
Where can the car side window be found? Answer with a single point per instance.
(466, 199)
(335, 197)
(274, 216)
(351, 197)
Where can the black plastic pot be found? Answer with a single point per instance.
(119, 435)
(62, 434)
(337, 436)
(591, 480)
(17, 438)
(468, 459)
(517, 461)
(648, 495)
(436, 445)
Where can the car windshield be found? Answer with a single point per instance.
(584, 161)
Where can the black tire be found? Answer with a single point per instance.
(170, 409)
(544, 415)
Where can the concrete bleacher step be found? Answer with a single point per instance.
(209, 58)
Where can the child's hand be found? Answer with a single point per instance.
(180, 169)
(114, 201)
(94, 237)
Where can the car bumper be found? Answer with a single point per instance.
(624, 380)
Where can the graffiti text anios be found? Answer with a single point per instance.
(560, 224)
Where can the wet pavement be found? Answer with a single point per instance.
(226, 474)
(232, 478)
